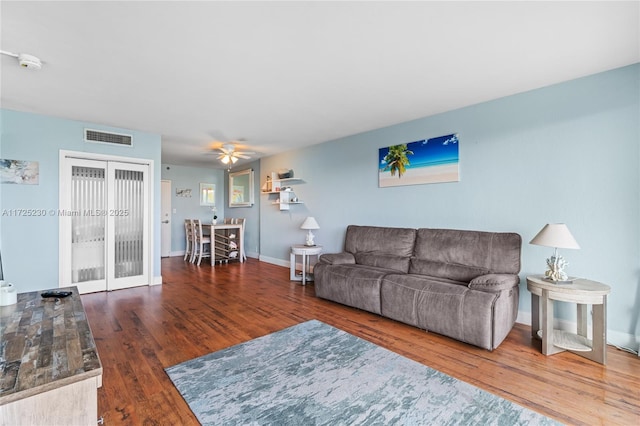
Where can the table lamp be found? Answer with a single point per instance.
(309, 224)
(556, 235)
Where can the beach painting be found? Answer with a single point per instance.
(19, 172)
(432, 160)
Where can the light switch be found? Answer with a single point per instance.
(174, 211)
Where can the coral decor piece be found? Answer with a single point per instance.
(556, 264)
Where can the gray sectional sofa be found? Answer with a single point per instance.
(462, 284)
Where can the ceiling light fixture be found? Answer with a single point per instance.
(25, 60)
(228, 158)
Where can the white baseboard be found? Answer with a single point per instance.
(284, 263)
(274, 261)
(157, 280)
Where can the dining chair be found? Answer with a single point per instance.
(188, 231)
(202, 247)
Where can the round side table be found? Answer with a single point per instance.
(305, 252)
(581, 292)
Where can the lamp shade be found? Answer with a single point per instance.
(555, 235)
(310, 223)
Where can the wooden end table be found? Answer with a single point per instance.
(305, 252)
(581, 292)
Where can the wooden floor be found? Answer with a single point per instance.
(199, 310)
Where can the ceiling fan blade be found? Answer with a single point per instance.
(244, 153)
(239, 155)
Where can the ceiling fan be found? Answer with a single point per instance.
(228, 154)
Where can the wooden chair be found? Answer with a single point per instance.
(202, 246)
(188, 231)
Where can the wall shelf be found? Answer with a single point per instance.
(285, 197)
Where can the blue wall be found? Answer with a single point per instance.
(182, 177)
(250, 214)
(189, 208)
(566, 153)
(30, 244)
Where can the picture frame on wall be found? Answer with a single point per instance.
(19, 172)
(207, 194)
(241, 188)
(434, 160)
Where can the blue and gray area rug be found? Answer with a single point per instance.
(315, 374)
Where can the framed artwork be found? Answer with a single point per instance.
(19, 172)
(207, 194)
(241, 188)
(432, 160)
(183, 192)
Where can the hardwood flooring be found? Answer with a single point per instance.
(199, 310)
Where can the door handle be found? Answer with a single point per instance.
(165, 221)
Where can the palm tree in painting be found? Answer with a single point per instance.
(397, 159)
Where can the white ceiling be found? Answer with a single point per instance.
(284, 75)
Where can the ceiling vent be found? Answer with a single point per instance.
(107, 137)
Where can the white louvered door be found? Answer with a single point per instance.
(104, 225)
(127, 225)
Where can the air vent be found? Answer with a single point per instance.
(107, 137)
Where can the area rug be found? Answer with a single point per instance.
(315, 374)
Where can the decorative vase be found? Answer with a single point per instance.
(214, 221)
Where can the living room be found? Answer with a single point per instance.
(565, 152)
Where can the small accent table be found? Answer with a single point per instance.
(305, 252)
(581, 292)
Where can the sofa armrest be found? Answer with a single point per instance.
(337, 258)
(494, 283)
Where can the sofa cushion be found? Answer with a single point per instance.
(380, 246)
(352, 285)
(337, 258)
(458, 252)
(397, 263)
(434, 305)
(453, 271)
(495, 282)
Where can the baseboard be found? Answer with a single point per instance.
(274, 261)
(625, 341)
(157, 280)
(284, 263)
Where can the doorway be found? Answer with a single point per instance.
(104, 221)
(165, 220)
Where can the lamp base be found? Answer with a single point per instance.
(310, 238)
(569, 280)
